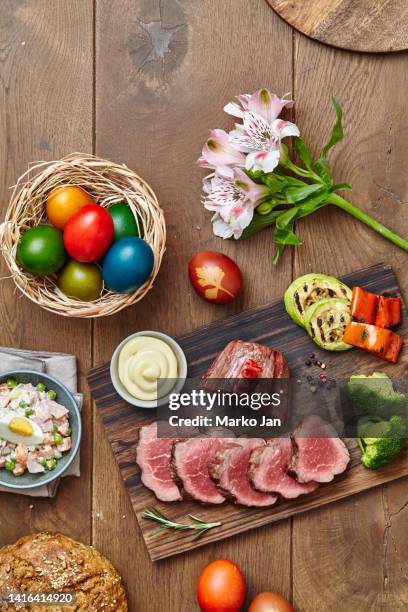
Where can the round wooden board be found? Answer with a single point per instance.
(375, 26)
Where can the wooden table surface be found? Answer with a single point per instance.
(142, 82)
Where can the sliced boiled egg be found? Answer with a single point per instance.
(20, 430)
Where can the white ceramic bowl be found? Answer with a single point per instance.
(182, 370)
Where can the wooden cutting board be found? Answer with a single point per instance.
(269, 325)
(375, 26)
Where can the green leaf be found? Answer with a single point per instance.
(279, 248)
(296, 194)
(294, 182)
(256, 175)
(284, 155)
(277, 182)
(286, 218)
(259, 222)
(322, 169)
(299, 171)
(274, 182)
(286, 163)
(280, 171)
(286, 236)
(337, 131)
(312, 204)
(284, 233)
(302, 150)
(340, 186)
(321, 166)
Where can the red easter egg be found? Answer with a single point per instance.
(215, 277)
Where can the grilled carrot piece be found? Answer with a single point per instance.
(363, 305)
(388, 311)
(376, 340)
(393, 350)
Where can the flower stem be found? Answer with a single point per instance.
(362, 216)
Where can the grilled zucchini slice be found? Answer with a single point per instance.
(325, 322)
(309, 289)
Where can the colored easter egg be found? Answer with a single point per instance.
(89, 233)
(215, 277)
(123, 220)
(127, 265)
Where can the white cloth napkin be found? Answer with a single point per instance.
(63, 367)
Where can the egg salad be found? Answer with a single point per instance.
(34, 428)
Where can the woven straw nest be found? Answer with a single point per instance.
(108, 183)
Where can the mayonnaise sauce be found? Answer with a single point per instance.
(142, 362)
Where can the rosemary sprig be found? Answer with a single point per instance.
(199, 525)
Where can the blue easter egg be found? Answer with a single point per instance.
(127, 265)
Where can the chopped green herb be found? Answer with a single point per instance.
(10, 465)
(57, 438)
(51, 464)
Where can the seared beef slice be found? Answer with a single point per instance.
(268, 470)
(320, 453)
(231, 361)
(154, 459)
(230, 471)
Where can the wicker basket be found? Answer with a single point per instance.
(108, 183)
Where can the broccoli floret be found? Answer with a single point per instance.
(380, 452)
(375, 395)
(372, 427)
(381, 441)
(399, 426)
(375, 427)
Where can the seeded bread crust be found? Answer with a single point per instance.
(45, 562)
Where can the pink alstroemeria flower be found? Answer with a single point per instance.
(262, 102)
(261, 140)
(233, 201)
(234, 226)
(220, 155)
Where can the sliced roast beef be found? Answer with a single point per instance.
(268, 470)
(230, 471)
(192, 460)
(320, 453)
(233, 360)
(154, 459)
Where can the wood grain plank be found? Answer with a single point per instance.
(375, 26)
(164, 72)
(270, 325)
(372, 158)
(46, 101)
